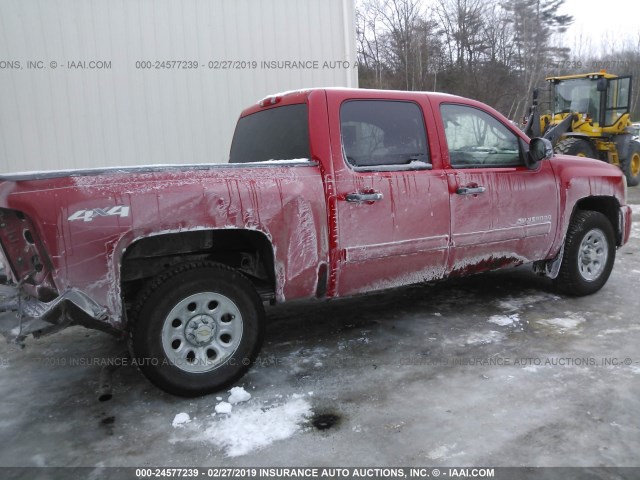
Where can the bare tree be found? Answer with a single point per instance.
(492, 50)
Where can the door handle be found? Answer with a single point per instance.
(470, 190)
(364, 197)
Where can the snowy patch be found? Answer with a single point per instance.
(504, 320)
(279, 161)
(563, 324)
(238, 395)
(223, 407)
(512, 304)
(426, 275)
(303, 357)
(635, 369)
(255, 427)
(180, 419)
(616, 331)
(485, 338)
(530, 368)
(442, 452)
(287, 92)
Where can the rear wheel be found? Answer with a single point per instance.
(197, 328)
(589, 253)
(631, 165)
(576, 146)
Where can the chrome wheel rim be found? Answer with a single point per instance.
(593, 254)
(202, 332)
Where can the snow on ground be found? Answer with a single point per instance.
(563, 324)
(443, 451)
(180, 419)
(252, 426)
(504, 320)
(484, 338)
(248, 425)
(513, 304)
(238, 395)
(223, 407)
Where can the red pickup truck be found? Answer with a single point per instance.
(328, 193)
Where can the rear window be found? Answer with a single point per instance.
(382, 133)
(276, 134)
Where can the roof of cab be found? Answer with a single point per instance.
(291, 97)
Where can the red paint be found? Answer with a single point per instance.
(420, 230)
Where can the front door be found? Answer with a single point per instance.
(501, 212)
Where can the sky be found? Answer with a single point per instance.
(603, 22)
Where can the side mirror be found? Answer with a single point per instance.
(539, 149)
(601, 86)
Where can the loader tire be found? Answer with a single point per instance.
(631, 165)
(578, 147)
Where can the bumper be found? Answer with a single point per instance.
(625, 224)
(32, 316)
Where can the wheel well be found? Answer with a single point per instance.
(608, 206)
(249, 252)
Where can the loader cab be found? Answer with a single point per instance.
(601, 99)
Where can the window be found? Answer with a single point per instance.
(276, 134)
(476, 139)
(578, 95)
(377, 133)
(617, 99)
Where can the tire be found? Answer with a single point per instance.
(631, 165)
(196, 329)
(589, 253)
(576, 146)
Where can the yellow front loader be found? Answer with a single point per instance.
(590, 117)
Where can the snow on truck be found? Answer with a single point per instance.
(328, 193)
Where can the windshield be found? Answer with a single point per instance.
(276, 134)
(578, 95)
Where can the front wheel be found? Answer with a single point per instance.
(197, 328)
(589, 253)
(631, 164)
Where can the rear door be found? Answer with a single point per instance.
(392, 208)
(501, 212)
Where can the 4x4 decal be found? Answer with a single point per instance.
(89, 215)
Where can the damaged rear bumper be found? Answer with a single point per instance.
(26, 315)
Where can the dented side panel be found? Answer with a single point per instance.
(85, 223)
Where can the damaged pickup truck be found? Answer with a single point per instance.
(328, 193)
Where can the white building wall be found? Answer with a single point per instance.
(54, 115)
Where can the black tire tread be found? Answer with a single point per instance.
(566, 280)
(152, 285)
(625, 164)
(570, 145)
